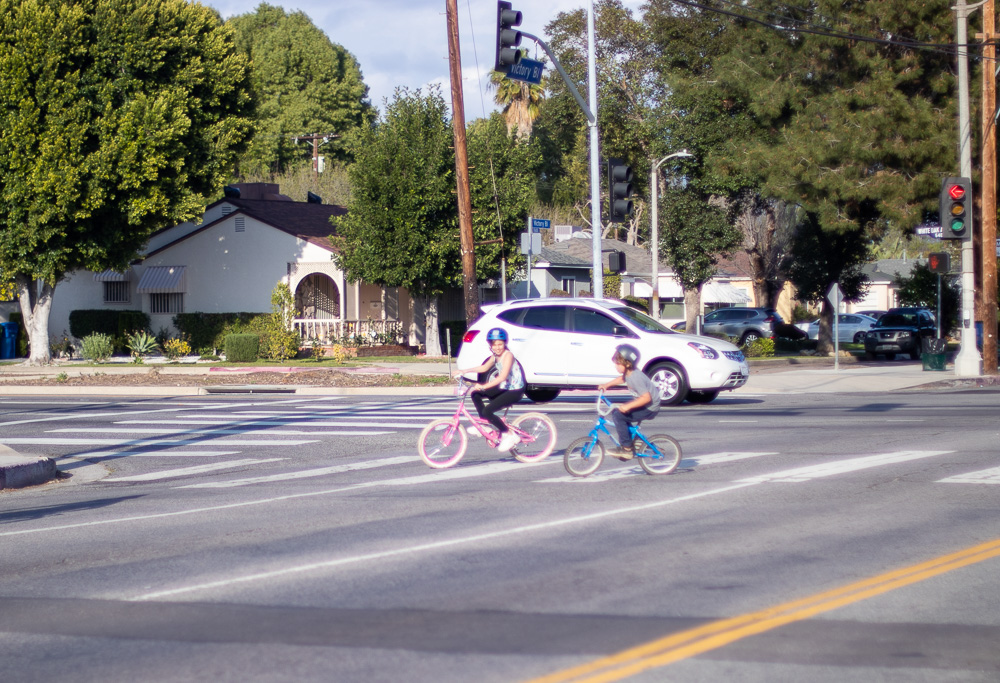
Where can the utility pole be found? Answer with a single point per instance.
(988, 220)
(654, 186)
(316, 139)
(595, 171)
(968, 363)
(462, 168)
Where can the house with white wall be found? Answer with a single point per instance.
(230, 261)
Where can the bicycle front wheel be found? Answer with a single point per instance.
(663, 458)
(583, 456)
(442, 443)
(539, 437)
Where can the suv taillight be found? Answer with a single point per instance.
(769, 319)
(469, 336)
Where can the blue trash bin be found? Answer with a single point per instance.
(8, 341)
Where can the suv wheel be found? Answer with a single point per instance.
(540, 395)
(749, 337)
(671, 381)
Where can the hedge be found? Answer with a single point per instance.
(85, 322)
(242, 348)
(206, 332)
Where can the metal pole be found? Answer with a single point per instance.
(968, 363)
(527, 294)
(595, 174)
(988, 217)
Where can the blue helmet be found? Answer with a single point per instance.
(497, 333)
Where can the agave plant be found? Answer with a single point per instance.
(140, 344)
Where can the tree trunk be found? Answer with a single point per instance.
(432, 335)
(824, 345)
(35, 307)
(692, 308)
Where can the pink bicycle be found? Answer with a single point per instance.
(443, 442)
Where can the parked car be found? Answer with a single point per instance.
(565, 343)
(851, 327)
(900, 330)
(873, 314)
(746, 324)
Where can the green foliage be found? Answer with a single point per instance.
(97, 347)
(206, 332)
(140, 344)
(242, 348)
(822, 257)
(612, 285)
(278, 341)
(116, 324)
(693, 234)
(759, 348)
(61, 346)
(921, 289)
(402, 226)
(119, 118)
(302, 83)
(457, 328)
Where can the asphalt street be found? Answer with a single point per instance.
(807, 536)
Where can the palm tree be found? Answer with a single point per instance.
(521, 101)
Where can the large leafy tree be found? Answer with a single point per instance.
(303, 84)
(118, 117)
(401, 229)
(503, 172)
(694, 234)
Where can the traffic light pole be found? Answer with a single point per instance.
(968, 363)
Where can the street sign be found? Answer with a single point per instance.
(540, 223)
(527, 70)
(532, 247)
(834, 295)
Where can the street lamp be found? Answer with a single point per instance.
(655, 231)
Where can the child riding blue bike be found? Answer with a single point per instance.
(645, 403)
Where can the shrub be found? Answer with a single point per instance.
(339, 353)
(140, 344)
(84, 322)
(175, 348)
(760, 348)
(206, 332)
(242, 348)
(97, 347)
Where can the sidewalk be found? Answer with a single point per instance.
(795, 375)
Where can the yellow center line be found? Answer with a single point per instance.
(717, 634)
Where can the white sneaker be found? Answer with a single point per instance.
(508, 441)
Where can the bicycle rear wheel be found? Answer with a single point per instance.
(442, 443)
(664, 459)
(539, 439)
(583, 456)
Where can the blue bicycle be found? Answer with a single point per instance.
(657, 454)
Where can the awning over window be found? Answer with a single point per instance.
(112, 276)
(722, 293)
(162, 280)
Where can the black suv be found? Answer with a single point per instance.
(900, 330)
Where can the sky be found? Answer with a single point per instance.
(405, 42)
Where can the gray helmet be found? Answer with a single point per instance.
(627, 352)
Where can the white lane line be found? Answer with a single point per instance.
(285, 423)
(95, 455)
(243, 430)
(125, 443)
(456, 473)
(436, 545)
(304, 474)
(196, 469)
(828, 469)
(738, 421)
(989, 476)
(605, 475)
(80, 416)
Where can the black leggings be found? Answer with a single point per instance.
(499, 399)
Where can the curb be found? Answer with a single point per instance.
(18, 471)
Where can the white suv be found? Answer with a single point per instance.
(568, 343)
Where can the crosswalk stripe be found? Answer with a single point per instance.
(244, 430)
(304, 474)
(988, 476)
(307, 423)
(196, 469)
(97, 455)
(53, 441)
(605, 475)
(826, 469)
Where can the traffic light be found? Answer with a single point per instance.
(507, 38)
(939, 262)
(956, 209)
(619, 191)
(616, 261)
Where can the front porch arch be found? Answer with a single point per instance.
(317, 296)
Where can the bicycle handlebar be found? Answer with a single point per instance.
(604, 406)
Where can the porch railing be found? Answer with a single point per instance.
(361, 332)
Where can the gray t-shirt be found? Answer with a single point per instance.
(638, 383)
